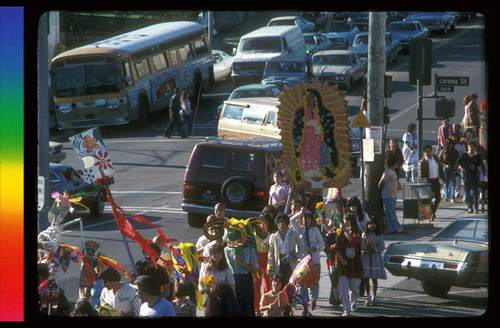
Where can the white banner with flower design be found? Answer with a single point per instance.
(89, 147)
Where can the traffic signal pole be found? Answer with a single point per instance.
(375, 91)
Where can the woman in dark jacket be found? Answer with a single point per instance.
(469, 165)
(448, 157)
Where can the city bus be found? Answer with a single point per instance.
(130, 76)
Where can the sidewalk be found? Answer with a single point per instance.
(446, 213)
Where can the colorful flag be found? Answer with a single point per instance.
(90, 148)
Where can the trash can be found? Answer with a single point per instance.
(417, 201)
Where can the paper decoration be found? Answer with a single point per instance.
(306, 273)
(315, 136)
(89, 147)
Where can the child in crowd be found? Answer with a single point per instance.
(183, 306)
(273, 303)
(372, 247)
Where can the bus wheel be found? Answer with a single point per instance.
(143, 111)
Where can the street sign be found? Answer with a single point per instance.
(445, 88)
(462, 81)
(360, 121)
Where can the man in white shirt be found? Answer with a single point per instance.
(431, 170)
(117, 294)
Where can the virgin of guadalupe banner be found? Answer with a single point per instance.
(89, 147)
(315, 136)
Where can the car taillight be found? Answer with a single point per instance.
(259, 193)
(450, 266)
(188, 187)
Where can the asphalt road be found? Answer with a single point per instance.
(150, 169)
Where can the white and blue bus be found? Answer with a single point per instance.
(130, 76)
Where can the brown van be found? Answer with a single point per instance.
(236, 172)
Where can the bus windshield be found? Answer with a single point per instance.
(91, 79)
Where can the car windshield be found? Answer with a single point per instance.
(468, 230)
(237, 94)
(338, 27)
(330, 60)
(361, 39)
(401, 28)
(263, 44)
(309, 39)
(280, 22)
(285, 68)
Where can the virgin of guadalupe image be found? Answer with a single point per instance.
(314, 142)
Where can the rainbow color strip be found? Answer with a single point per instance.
(12, 164)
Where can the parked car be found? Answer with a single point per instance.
(405, 31)
(287, 71)
(316, 42)
(341, 33)
(222, 64)
(259, 46)
(56, 154)
(343, 67)
(249, 118)
(252, 91)
(237, 172)
(255, 90)
(434, 21)
(456, 256)
(234, 171)
(360, 19)
(63, 178)
(392, 47)
(305, 25)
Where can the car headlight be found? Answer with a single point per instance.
(65, 108)
(113, 105)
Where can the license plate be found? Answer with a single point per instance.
(208, 197)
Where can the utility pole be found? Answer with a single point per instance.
(43, 119)
(375, 91)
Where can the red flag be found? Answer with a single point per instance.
(129, 231)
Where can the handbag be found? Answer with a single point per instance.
(350, 252)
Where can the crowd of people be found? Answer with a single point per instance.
(459, 160)
(254, 281)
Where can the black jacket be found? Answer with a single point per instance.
(423, 167)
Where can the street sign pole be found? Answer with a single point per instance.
(419, 118)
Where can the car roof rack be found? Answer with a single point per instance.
(260, 142)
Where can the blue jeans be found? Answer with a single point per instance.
(390, 215)
(470, 186)
(449, 182)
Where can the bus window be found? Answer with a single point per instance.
(160, 62)
(200, 47)
(173, 57)
(142, 67)
(185, 52)
(127, 73)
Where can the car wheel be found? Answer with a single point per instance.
(98, 208)
(196, 220)
(236, 192)
(435, 289)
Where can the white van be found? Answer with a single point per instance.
(257, 47)
(249, 118)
